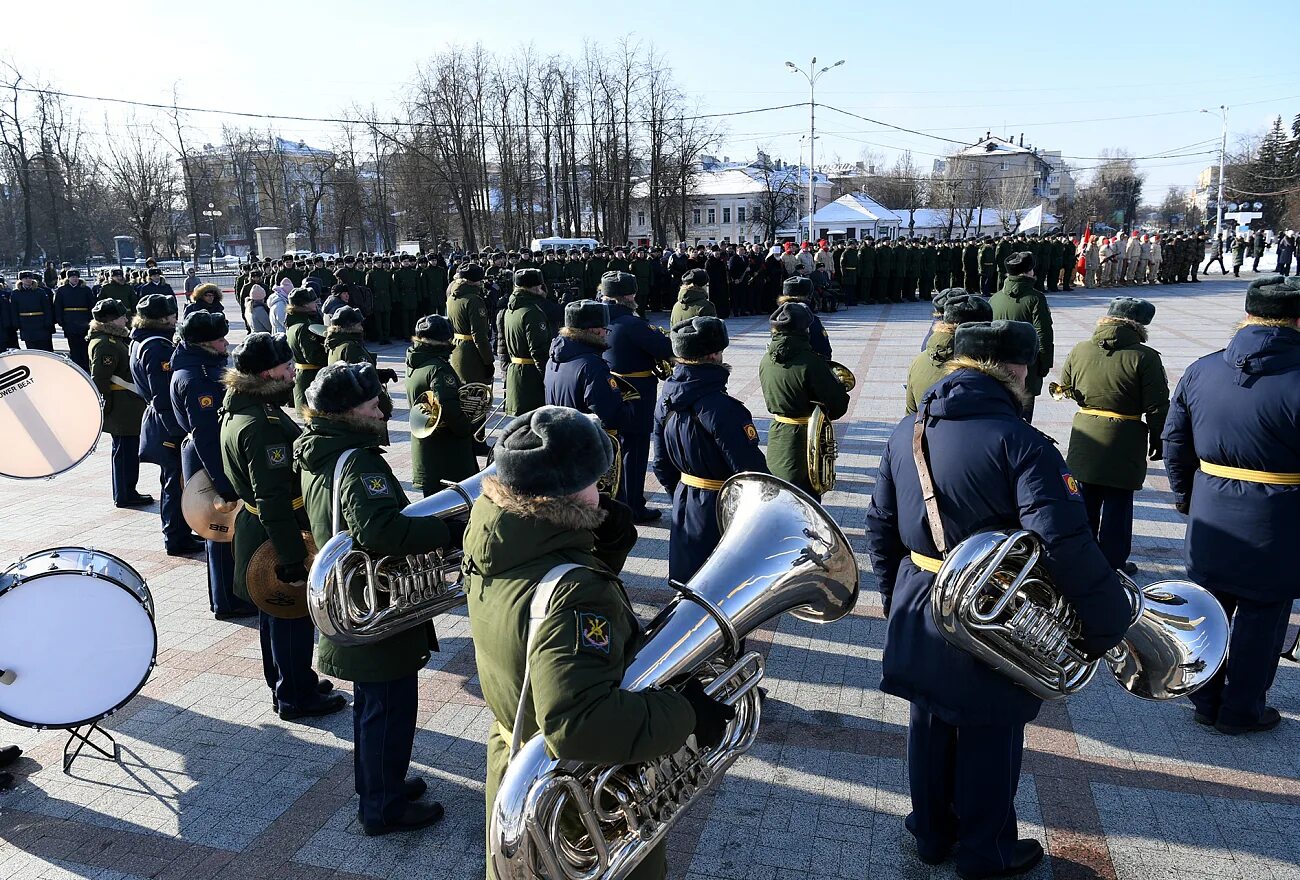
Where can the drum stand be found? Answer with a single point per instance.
(83, 739)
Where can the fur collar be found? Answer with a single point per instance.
(783, 299)
(109, 329)
(433, 345)
(1111, 320)
(566, 512)
(163, 324)
(357, 423)
(588, 336)
(339, 335)
(994, 370)
(1253, 321)
(300, 310)
(254, 385)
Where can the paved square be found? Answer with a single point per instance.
(213, 784)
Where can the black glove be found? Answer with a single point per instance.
(1183, 507)
(1155, 449)
(230, 497)
(711, 717)
(386, 375)
(291, 573)
(616, 535)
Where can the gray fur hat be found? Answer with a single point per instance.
(1131, 308)
(551, 452)
(699, 337)
(109, 309)
(617, 284)
(434, 328)
(529, 278)
(303, 295)
(966, 308)
(262, 351)
(696, 277)
(941, 298)
(792, 318)
(585, 314)
(156, 306)
(1273, 297)
(348, 316)
(797, 285)
(1006, 342)
(1019, 263)
(203, 326)
(340, 387)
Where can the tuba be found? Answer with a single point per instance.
(355, 599)
(992, 597)
(426, 413)
(822, 449)
(779, 552)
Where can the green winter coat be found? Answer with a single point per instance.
(1115, 371)
(467, 312)
(794, 378)
(406, 290)
(123, 293)
(528, 337)
(581, 649)
(257, 455)
(1017, 300)
(447, 453)
(380, 282)
(370, 503)
(691, 301)
(928, 367)
(308, 351)
(110, 360)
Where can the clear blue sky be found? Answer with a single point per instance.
(1057, 73)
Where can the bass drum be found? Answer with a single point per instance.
(79, 637)
(51, 415)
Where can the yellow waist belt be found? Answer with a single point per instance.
(116, 387)
(787, 420)
(462, 337)
(701, 482)
(297, 505)
(307, 367)
(639, 374)
(523, 362)
(1249, 476)
(29, 314)
(1107, 414)
(75, 309)
(926, 563)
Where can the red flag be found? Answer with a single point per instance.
(1087, 233)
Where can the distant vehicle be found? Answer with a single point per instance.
(557, 243)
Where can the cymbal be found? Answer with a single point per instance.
(268, 592)
(206, 521)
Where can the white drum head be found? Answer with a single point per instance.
(79, 648)
(50, 415)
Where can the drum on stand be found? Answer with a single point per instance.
(51, 415)
(79, 642)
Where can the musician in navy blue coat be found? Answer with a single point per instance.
(990, 470)
(73, 300)
(798, 288)
(8, 318)
(33, 308)
(576, 373)
(161, 435)
(198, 365)
(634, 349)
(702, 436)
(1232, 452)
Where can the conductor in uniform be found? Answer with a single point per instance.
(634, 349)
(794, 379)
(344, 419)
(110, 367)
(527, 337)
(702, 436)
(990, 470)
(197, 366)
(541, 510)
(1232, 452)
(257, 453)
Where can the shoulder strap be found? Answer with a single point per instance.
(335, 493)
(928, 493)
(537, 611)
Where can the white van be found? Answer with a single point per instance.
(547, 244)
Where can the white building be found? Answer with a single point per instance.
(1042, 175)
(855, 216)
(962, 222)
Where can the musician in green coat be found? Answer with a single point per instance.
(471, 356)
(307, 345)
(542, 510)
(528, 342)
(1117, 380)
(955, 307)
(447, 453)
(257, 457)
(692, 298)
(794, 379)
(109, 355)
(344, 419)
(1020, 300)
(344, 343)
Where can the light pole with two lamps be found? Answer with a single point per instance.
(812, 74)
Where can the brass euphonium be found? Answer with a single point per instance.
(356, 599)
(992, 597)
(779, 552)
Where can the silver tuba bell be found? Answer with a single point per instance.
(355, 599)
(992, 598)
(779, 552)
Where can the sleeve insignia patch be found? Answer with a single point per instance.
(376, 485)
(613, 383)
(277, 456)
(107, 359)
(752, 433)
(207, 401)
(1071, 484)
(167, 366)
(593, 633)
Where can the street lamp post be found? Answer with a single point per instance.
(1223, 151)
(812, 74)
(212, 214)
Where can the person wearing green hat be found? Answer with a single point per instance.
(109, 354)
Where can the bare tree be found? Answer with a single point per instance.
(1013, 196)
(143, 177)
(778, 203)
(14, 122)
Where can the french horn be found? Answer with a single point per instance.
(822, 449)
(426, 412)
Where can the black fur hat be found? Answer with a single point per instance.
(1006, 342)
(941, 298)
(699, 336)
(434, 328)
(472, 273)
(551, 452)
(203, 326)
(340, 387)
(262, 351)
(1019, 263)
(1273, 297)
(585, 314)
(529, 278)
(797, 285)
(696, 277)
(617, 284)
(109, 309)
(303, 295)
(156, 306)
(1132, 308)
(966, 309)
(348, 316)
(792, 318)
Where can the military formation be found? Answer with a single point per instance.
(291, 426)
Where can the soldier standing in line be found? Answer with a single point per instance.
(577, 376)
(970, 264)
(848, 269)
(526, 338)
(988, 264)
(72, 303)
(867, 291)
(1116, 379)
(942, 272)
(110, 366)
(406, 296)
(1004, 248)
(1020, 300)
(380, 281)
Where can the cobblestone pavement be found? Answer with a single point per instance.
(213, 784)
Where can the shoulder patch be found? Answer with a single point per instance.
(376, 485)
(278, 455)
(752, 433)
(593, 633)
(107, 359)
(613, 383)
(1071, 485)
(167, 366)
(207, 401)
